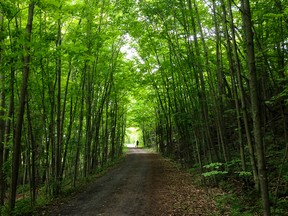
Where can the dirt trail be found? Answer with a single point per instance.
(143, 184)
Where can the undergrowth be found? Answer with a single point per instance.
(44, 202)
(238, 196)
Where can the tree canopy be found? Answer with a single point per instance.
(204, 81)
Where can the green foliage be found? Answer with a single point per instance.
(281, 207)
(214, 172)
(23, 208)
(169, 88)
(230, 203)
(215, 165)
(244, 173)
(215, 169)
(6, 169)
(4, 210)
(8, 8)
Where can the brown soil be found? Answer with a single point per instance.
(143, 184)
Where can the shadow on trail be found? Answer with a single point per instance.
(125, 190)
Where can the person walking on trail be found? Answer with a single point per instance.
(137, 143)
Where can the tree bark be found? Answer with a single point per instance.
(220, 81)
(243, 101)
(58, 156)
(80, 129)
(19, 124)
(255, 105)
(32, 152)
(2, 120)
(200, 83)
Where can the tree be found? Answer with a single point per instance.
(255, 105)
(2, 119)
(18, 129)
(192, 75)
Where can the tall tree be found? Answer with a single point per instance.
(2, 113)
(19, 124)
(255, 105)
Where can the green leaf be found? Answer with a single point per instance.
(213, 173)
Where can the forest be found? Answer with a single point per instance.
(206, 82)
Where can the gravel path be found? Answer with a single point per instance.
(122, 191)
(143, 184)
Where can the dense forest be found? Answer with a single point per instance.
(204, 80)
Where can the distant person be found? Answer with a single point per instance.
(137, 143)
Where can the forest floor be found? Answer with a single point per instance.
(144, 183)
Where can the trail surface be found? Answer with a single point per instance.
(143, 184)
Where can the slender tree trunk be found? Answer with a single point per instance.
(243, 101)
(200, 82)
(18, 130)
(51, 140)
(58, 156)
(8, 134)
(32, 152)
(255, 105)
(72, 117)
(113, 129)
(231, 58)
(63, 119)
(79, 137)
(210, 79)
(88, 120)
(96, 150)
(106, 134)
(45, 116)
(2, 120)
(220, 81)
(96, 145)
